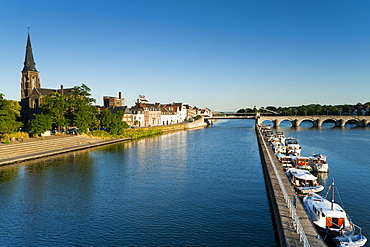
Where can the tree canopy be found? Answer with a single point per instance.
(9, 115)
(315, 109)
(75, 110)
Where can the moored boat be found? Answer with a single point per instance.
(280, 135)
(292, 146)
(278, 147)
(331, 221)
(301, 162)
(318, 163)
(284, 160)
(303, 181)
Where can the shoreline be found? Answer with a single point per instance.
(35, 148)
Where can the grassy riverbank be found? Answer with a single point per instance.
(128, 133)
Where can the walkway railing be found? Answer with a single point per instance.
(296, 222)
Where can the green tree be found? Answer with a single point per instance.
(113, 122)
(118, 126)
(9, 113)
(40, 123)
(81, 112)
(105, 118)
(55, 106)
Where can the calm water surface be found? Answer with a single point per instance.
(201, 187)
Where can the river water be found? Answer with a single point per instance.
(200, 187)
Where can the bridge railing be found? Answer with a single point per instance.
(293, 213)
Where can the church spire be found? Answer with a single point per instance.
(29, 63)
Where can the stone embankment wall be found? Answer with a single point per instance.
(284, 215)
(36, 147)
(200, 123)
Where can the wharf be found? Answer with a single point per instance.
(293, 227)
(51, 145)
(56, 144)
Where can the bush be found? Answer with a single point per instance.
(16, 135)
(128, 133)
(100, 133)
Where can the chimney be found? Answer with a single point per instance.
(120, 95)
(61, 90)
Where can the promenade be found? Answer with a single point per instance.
(34, 148)
(37, 147)
(293, 226)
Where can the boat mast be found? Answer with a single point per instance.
(332, 194)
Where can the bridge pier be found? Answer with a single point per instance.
(295, 123)
(317, 123)
(340, 123)
(362, 123)
(276, 123)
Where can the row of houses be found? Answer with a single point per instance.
(144, 113)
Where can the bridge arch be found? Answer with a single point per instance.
(291, 120)
(268, 122)
(354, 120)
(318, 120)
(308, 119)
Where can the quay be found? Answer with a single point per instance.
(34, 148)
(51, 145)
(293, 226)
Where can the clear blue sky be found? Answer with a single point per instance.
(220, 54)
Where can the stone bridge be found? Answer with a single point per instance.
(339, 121)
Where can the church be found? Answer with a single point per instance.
(31, 91)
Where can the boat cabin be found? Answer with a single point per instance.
(303, 180)
(331, 219)
(302, 162)
(285, 161)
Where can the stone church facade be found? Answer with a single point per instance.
(31, 91)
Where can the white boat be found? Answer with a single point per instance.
(331, 221)
(292, 146)
(303, 180)
(280, 135)
(278, 147)
(301, 162)
(318, 163)
(284, 160)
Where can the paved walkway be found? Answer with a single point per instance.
(283, 216)
(37, 147)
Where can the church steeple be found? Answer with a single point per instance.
(30, 75)
(29, 62)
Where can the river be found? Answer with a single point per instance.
(201, 187)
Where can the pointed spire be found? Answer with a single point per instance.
(29, 63)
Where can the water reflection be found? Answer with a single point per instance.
(9, 173)
(200, 187)
(75, 161)
(322, 178)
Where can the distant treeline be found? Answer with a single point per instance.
(313, 109)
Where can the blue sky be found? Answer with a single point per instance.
(220, 54)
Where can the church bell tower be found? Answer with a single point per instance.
(30, 75)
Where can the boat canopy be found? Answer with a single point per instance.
(324, 206)
(302, 174)
(305, 176)
(320, 156)
(291, 141)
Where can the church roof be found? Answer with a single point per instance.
(44, 91)
(29, 63)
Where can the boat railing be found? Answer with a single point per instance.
(291, 206)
